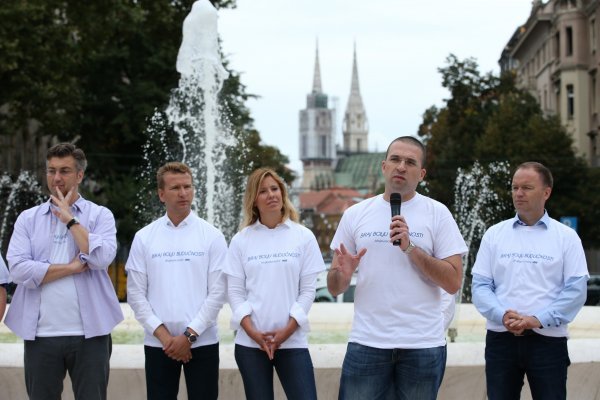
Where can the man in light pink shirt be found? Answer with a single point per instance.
(64, 306)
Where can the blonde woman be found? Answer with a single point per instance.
(272, 266)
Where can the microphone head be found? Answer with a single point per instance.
(395, 198)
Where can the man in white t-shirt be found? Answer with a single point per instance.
(529, 281)
(397, 340)
(176, 289)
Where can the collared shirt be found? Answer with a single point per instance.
(271, 277)
(28, 257)
(174, 278)
(3, 272)
(537, 270)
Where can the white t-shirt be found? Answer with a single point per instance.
(59, 307)
(272, 262)
(529, 266)
(395, 306)
(4, 277)
(177, 263)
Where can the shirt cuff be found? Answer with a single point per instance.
(547, 320)
(152, 323)
(198, 325)
(236, 317)
(297, 312)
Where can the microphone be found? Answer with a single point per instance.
(395, 204)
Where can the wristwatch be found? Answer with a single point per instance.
(72, 222)
(191, 337)
(411, 247)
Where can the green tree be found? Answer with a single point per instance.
(96, 72)
(487, 118)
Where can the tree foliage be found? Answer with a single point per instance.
(488, 119)
(95, 72)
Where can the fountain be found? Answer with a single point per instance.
(478, 202)
(194, 129)
(15, 196)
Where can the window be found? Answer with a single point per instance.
(593, 94)
(569, 43)
(304, 147)
(358, 144)
(593, 35)
(570, 102)
(324, 146)
(557, 45)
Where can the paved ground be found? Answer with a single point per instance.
(330, 324)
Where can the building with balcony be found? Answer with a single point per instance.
(555, 56)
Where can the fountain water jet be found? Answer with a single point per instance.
(194, 128)
(478, 203)
(15, 196)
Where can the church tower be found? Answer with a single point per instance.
(355, 126)
(317, 136)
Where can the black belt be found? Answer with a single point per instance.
(527, 332)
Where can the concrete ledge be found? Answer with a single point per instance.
(464, 378)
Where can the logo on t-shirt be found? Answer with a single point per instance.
(273, 257)
(382, 237)
(532, 258)
(177, 256)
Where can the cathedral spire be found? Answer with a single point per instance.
(355, 88)
(317, 76)
(355, 126)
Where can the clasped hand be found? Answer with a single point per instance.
(517, 323)
(270, 341)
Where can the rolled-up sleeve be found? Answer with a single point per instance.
(102, 241)
(24, 270)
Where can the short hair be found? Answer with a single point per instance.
(410, 140)
(63, 150)
(173, 167)
(251, 213)
(543, 172)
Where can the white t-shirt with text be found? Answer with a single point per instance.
(395, 305)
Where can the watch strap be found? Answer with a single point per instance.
(73, 221)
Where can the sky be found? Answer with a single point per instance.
(400, 45)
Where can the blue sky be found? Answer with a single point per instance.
(400, 45)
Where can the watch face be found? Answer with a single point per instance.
(190, 337)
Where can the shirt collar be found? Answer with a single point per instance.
(77, 206)
(543, 222)
(258, 225)
(186, 221)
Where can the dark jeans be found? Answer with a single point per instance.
(47, 360)
(294, 368)
(378, 374)
(201, 373)
(543, 359)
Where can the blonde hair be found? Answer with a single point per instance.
(171, 167)
(251, 213)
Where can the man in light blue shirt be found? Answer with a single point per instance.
(529, 281)
(64, 306)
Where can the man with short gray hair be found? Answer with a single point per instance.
(65, 305)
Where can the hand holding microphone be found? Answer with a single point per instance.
(396, 205)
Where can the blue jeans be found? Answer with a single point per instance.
(410, 374)
(543, 359)
(294, 368)
(201, 373)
